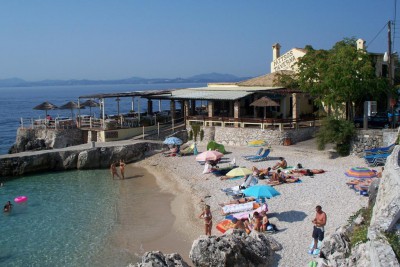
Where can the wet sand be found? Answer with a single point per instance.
(149, 218)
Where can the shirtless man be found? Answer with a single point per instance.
(122, 168)
(319, 223)
(281, 164)
(239, 224)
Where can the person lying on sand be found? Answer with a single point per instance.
(238, 201)
(282, 163)
(279, 178)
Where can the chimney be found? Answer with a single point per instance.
(276, 51)
(360, 44)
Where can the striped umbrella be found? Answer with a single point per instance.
(360, 173)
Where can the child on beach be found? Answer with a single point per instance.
(122, 168)
(207, 216)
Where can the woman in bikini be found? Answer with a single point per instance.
(207, 216)
(257, 221)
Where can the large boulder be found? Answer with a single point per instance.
(158, 259)
(235, 248)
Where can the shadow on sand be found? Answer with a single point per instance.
(289, 216)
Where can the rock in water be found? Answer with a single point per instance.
(235, 248)
(158, 259)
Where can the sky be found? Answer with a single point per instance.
(116, 39)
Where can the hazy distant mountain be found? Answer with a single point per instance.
(201, 78)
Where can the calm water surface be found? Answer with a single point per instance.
(65, 221)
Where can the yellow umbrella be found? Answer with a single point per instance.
(257, 143)
(240, 171)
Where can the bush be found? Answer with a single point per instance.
(191, 135)
(337, 131)
(201, 135)
(196, 130)
(359, 234)
(393, 239)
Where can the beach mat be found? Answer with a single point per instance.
(224, 225)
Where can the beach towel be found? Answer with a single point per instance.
(234, 208)
(245, 215)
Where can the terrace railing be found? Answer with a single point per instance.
(268, 123)
(57, 123)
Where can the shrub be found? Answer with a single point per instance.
(337, 131)
(196, 130)
(201, 135)
(393, 239)
(191, 135)
(359, 234)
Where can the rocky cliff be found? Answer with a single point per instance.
(74, 158)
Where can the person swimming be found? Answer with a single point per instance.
(7, 206)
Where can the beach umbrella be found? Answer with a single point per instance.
(173, 141)
(360, 173)
(91, 104)
(71, 105)
(257, 143)
(261, 191)
(264, 102)
(46, 106)
(240, 171)
(209, 155)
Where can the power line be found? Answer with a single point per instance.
(373, 39)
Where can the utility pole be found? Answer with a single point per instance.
(390, 73)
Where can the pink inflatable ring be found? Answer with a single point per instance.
(20, 199)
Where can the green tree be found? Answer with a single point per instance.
(340, 76)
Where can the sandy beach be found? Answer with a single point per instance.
(292, 212)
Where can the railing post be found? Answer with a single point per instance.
(143, 133)
(90, 122)
(173, 126)
(158, 129)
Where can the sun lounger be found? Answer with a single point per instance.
(376, 159)
(262, 157)
(379, 150)
(257, 154)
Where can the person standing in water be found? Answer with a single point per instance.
(207, 216)
(122, 168)
(113, 170)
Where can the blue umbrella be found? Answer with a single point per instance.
(261, 191)
(173, 141)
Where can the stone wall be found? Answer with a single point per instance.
(73, 158)
(42, 138)
(240, 136)
(369, 139)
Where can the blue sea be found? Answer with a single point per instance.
(70, 217)
(18, 102)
